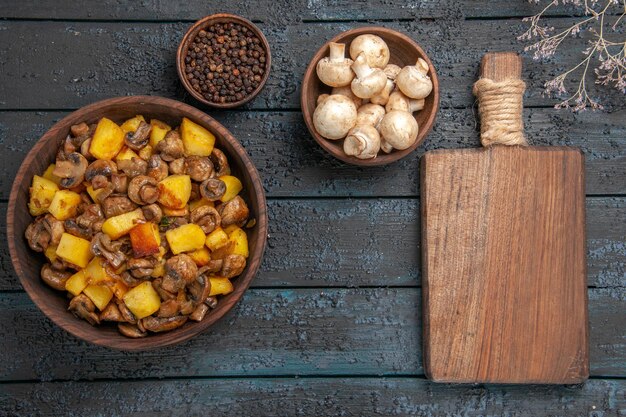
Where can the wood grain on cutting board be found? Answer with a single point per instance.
(503, 255)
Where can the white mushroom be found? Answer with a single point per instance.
(398, 101)
(391, 71)
(399, 129)
(335, 70)
(413, 80)
(369, 81)
(370, 114)
(385, 147)
(321, 98)
(382, 97)
(363, 142)
(374, 47)
(334, 117)
(347, 91)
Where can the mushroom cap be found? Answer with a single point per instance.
(370, 114)
(375, 49)
(346, 90)
(391, 71)
(383, 96)
(363, 142)
(334, 117)
(397, 101)
(399, 129)
(370, 85)
(385, 147)
(335, 74)
(413, 82)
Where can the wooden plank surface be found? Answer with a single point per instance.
(268, 10)
(138, 58)
(388, 254)
(291, 164)
(310, 396)
(349, 332)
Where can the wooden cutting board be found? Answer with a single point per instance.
(503, 255)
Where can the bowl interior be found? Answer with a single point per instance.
(27, 263)
(403, 51)
(203, 24)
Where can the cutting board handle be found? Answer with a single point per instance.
(500, 92)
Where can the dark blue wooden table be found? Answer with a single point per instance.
(332, 323)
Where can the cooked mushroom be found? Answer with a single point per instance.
(133, 167)
(116, 205)
(334, 117)
(163, 324)
(84, 149)
(54, 227)
(100, 168)
(199, 168)
(130, 330)
(169, 308)
(141, 267)
(71, 170)
(152, 213)
(157, 168)
(84, 308)
(138, 139)
(199, 313)
(111, 313)
(373, 48)
(369, 81)
(214, 265)
(177, 166)
(413, 80)
(171, 147)
(79, 129)
(126, 314)
(363, 142)
(101, 245)
(334, 70)
(220, 163)
(120, 183)
(75, 229)
(211, 301)
(164, 294)
(143, 190)
(212, 189)
(234, 212)
(233, 265)
(180, 270)
(54, 278)
(37, 235)
(200, 288)
(206, 217)
(92, 218)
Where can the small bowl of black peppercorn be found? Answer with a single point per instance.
(223, 60)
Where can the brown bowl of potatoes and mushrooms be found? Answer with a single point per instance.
(144, 215)
(375, 106)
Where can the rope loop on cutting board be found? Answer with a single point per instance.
(500, 107)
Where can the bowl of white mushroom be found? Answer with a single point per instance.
(370, 96)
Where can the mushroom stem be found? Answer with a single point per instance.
(416, 104)
(360, 67)
(337, 52)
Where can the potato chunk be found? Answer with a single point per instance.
(41, 194)
(50, 176)
(99, 294)
(117, 226)
(65, 204)
(185, 238)
(174, 191)
(96, 272)
(196, 139)
(200, 256)
(220, 286)
(239, 238)
(233, 187)
(77, 282)
(131, 125)
(74, 250)
(216, 239)
(107, 140)
(126, 154)
(145, 239)
(158, 132)
(142, 300)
